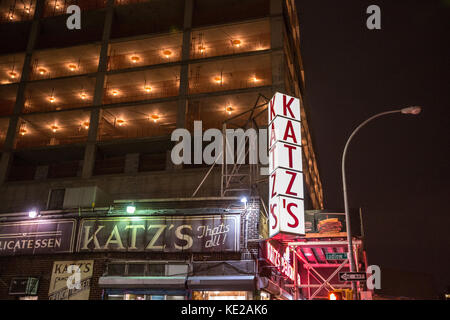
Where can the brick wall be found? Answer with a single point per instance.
(41, 266)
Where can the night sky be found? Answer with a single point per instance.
(397, 166)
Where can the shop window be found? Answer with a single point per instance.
(168, 297)
(137, 269)
(177, 270)
(28, 298)
(146, 269)
(220, 295)
(156, 270)
(116, 269)
(133, 296)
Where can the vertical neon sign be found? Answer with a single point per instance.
(285, 166)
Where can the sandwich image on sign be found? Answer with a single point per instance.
(332, 225)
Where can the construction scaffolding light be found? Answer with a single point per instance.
(33, 213)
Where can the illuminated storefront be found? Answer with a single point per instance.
(162, 256)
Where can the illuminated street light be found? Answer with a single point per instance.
(131, 209)
(409, 110)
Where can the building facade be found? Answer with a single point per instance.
(86, 117)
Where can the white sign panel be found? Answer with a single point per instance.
(284, 130)
(286, 183)
(285, 155)
(287, 217)
(285, 106)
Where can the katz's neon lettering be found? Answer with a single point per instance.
(272, 111)
(289, 132)
(274, 175)
(291, 183)
(272, 134)
(272, 212)
(290, 148)
(292, 215)
(281, 262)
(287, 106)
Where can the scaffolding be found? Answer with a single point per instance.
(239, 179)
(322, 275)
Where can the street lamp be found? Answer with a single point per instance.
(408, 110)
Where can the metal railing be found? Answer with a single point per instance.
(54, 8)
(62, 101)
(15, 11)
(143, 58)
(139, 128)
(56, 70)
(205, 49)
(230, 81)
(136, 92)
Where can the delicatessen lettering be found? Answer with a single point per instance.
(37, 237)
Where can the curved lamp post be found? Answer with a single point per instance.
(409, 110)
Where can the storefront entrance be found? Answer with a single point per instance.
(143, 295)
(221, 295)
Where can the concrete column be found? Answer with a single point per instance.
(91, 147)
(7, 152)
(277, 38)
(184, 72)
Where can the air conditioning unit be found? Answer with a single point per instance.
(79, 197)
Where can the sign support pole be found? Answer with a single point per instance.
(295, 274)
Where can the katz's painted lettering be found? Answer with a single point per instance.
(167, 234)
